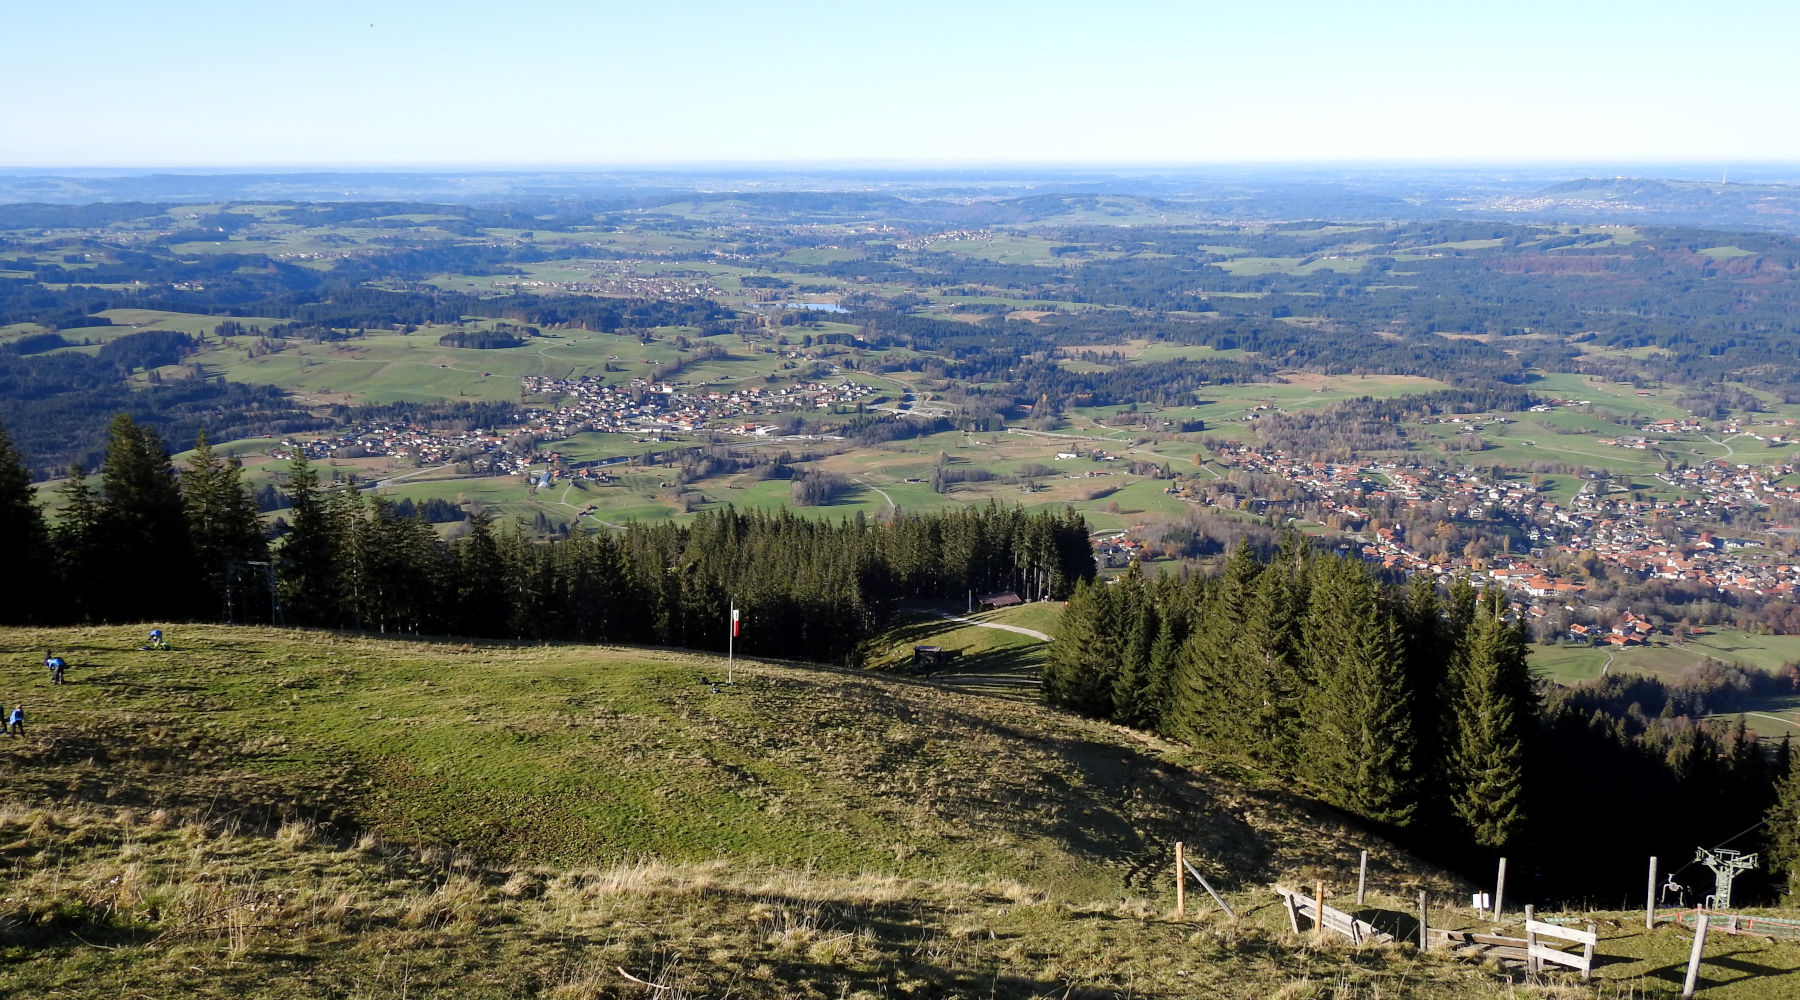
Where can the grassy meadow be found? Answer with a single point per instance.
(262, 810)
(272, 812)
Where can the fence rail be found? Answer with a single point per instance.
(1741, 923)
(1300, 905)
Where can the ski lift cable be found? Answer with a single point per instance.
(1722, 843)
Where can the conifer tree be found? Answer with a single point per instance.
(1359, 744)
(482, 605)
(1783, 835)
(147, 554)
(1138, 689)
(25, 581)
(1082, 665)
(1495, 705)
(1268, 668)
(308, 554)
(76, 544)
(1209, 694)
(222, 520)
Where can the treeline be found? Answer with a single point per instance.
(154, 545)
(1406, 707)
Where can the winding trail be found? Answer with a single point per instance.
(884, 496)
(1020, 629)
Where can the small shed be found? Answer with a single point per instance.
(999, 599)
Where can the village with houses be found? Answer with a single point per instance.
(1631, 535)
(637, 406)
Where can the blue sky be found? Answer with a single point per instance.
(897, 83)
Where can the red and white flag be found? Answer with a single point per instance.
(734, 623)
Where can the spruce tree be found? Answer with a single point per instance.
(1495, 706)
(148, 556)
(1137, 691)
(77, 550)
(1359, 743)
(1082, 665)
(1783, 836)
(25, 578)
(1209, 696)
(307, 555)
(1268, 669)
(223, 522)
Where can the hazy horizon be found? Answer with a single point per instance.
(464, 85)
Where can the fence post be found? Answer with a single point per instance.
(1319, 908)
(1362, 877)
(1293, 912)
(1214, 893)
(1180, 883)
(1532, 965)
(1693, 972)
(1424, 936)
(1650, 898)
(1587, 952)
(1499, 888)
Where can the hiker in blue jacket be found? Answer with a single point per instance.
(56, 665)
(15, 723)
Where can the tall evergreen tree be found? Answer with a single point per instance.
(308, 554)
(1359, 745)
(1138, 689)
(77, 545)
(1783, 836)
(223, 522)
(1495, 706)
(147, 555)
(1209, 695)
(483, 608)
(25, 572)
(1082, 665)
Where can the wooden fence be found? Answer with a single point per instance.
(1320, 917)
(1532, 949)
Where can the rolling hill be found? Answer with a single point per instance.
(281, 813)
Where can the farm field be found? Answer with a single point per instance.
(1666, 660)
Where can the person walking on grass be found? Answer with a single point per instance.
(56, 665)
(15, 722)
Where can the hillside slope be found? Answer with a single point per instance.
(315, 812)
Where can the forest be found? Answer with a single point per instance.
(1415, 710)
(155, 543)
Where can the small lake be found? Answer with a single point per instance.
(824, 307)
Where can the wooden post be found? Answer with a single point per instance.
(1650, 898)
(1362, 877)
(1319, 907)
(1532, 965)
(1499, 889)
(1210, 891)
(1587, 952)
(1293, 912)
(1424, 937)
(1693, 974)
(1180, 883)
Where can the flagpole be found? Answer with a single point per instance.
(730, 641)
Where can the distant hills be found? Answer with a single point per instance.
(1767, 198)
(1634, 199)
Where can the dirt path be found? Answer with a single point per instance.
(1034, 633)
(884, 496)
